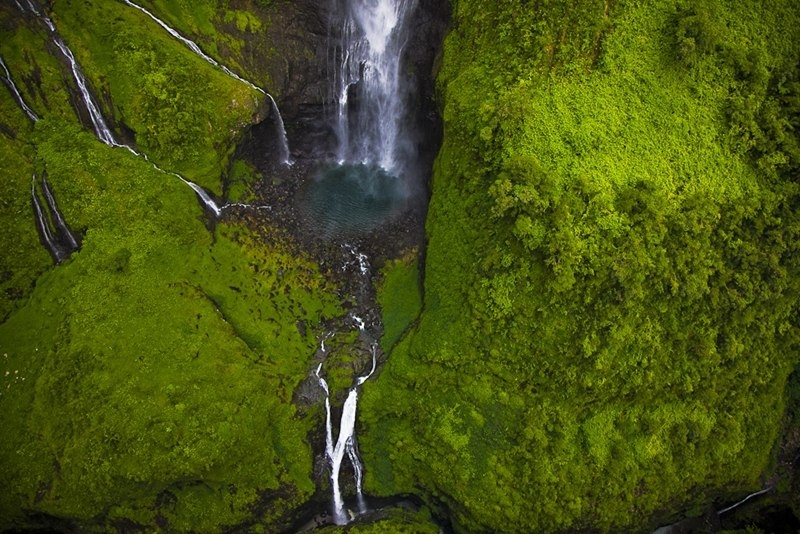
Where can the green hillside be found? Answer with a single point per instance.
(610, 310)
(600, 333)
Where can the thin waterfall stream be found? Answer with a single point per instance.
(348, 200)
(105, 134)
(9, 81)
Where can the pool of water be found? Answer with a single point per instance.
(349, 200)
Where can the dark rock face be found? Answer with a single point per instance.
(298, 67)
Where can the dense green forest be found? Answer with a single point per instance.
(611, 281)
(599, 334)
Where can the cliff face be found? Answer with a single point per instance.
(610, 280)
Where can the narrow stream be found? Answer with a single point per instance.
(9, 81)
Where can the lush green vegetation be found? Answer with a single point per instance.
(609, 322)
(611, 279)
(149, 378)
(399, 297)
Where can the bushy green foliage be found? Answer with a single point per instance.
(168, 96)
(611, 278)
(399, 297)
(237, 34)
(148, 378)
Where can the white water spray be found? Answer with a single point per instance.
(345, 443)
(367, 66)
(17, 96)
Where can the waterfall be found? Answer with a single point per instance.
(61, 226)
(44, 228)
(284, 157)
(60, 242)
(17, 96)
(99, 124)
(370, 107)
(345, 443)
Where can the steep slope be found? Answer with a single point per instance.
(611, 278)
(147, 381)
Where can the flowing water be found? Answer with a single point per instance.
(368, 38)
(105, 134)
(59, 240)
(370, 118)
(98, 122)
(43, 227)
(345, 443)
(284, 155)
(63, 230)
(14, 91)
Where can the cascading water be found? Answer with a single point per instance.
(283, 142)
(48, 240)
(370, 104)
(372, 181)
(59, 241)
(58, 219)
(345, 443)
(284, 156)
(14, 91)
(98, 122)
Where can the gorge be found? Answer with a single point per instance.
(440, 266)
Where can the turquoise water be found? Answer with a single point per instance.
(349, 200)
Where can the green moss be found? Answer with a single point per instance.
(607, 265)
(169, 97)
(399, 297)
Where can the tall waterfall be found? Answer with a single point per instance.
(368, 37)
